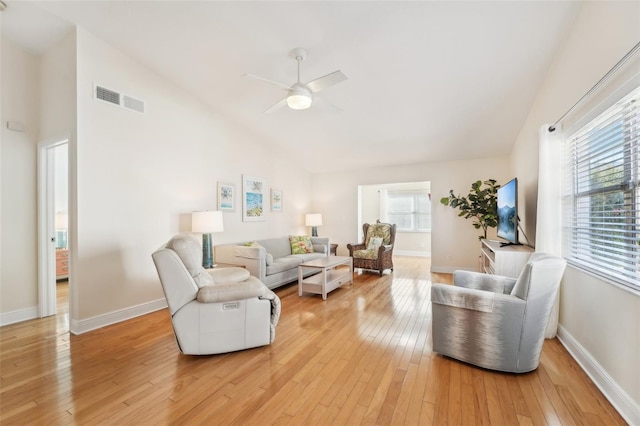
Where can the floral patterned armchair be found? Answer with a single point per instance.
(376, 252)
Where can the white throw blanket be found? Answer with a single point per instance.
(276, 308)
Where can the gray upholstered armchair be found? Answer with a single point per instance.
(217, 310)
(496, 322)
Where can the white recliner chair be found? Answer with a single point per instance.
(213, 311)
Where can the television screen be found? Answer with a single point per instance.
(508, 211)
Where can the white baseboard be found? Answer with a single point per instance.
(83, 326)
(449, 269)
(19, 315)
(626, 406)
(412, 253)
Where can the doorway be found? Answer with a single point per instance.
(408, 205)
(53, 228)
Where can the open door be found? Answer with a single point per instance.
(53, 207)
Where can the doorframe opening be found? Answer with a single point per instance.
(47, 303)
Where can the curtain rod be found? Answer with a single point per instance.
(598, 84)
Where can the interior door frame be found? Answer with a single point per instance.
(47, 303)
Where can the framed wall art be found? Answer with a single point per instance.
(226, 197)
(276, 200)
(253, 198)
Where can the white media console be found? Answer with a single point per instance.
(507, 260)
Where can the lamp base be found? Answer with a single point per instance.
(207, 251)
(314, 231)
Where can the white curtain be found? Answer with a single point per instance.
(383, 206)
(549, 214)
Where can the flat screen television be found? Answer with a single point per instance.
(508, 212)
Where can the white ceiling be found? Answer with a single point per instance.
(428, 81)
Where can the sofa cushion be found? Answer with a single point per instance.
(366, 254)
(307, 256)
(382, 230)
(283, 264)
(300, 244)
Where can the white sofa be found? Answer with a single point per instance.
(271, 262)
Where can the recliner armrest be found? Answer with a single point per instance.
(231, 291)
(229, 275)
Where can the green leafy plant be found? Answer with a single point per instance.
(481, 204)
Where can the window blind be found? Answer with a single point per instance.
(602, 196)
(409, 210)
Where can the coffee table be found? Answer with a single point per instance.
(329, 276)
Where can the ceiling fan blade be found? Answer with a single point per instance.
(284, 86)
(326, 81)
(281, 103)
(326, 104)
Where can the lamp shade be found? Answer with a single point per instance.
(207, 222)
(313, 219)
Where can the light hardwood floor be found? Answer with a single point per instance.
(361, 357)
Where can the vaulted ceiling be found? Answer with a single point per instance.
(427, 81)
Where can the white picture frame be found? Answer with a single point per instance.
(276, 200)
(253, 198)
(226, 197)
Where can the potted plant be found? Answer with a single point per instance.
(480, 204)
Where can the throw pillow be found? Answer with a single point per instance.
(269, 259)
(374, 243)
(300, 244)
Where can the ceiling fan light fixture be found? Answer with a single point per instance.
(299, 101)
(299, 97)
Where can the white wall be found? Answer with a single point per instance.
(454, 241)
(61, 178)
(598, 321)
(140, 175)
(20, 100)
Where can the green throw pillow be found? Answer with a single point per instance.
(300, 244)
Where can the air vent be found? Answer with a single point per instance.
(107, 95)
(115, 98)
(133, 104)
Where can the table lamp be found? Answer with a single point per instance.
(313, 220)
(207, 222)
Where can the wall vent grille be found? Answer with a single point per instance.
(107, 95)
(116, 98)
(134, 104)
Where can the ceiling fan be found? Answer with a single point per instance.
(300, 95)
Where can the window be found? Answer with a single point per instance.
(602, 200)
(409, 210)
